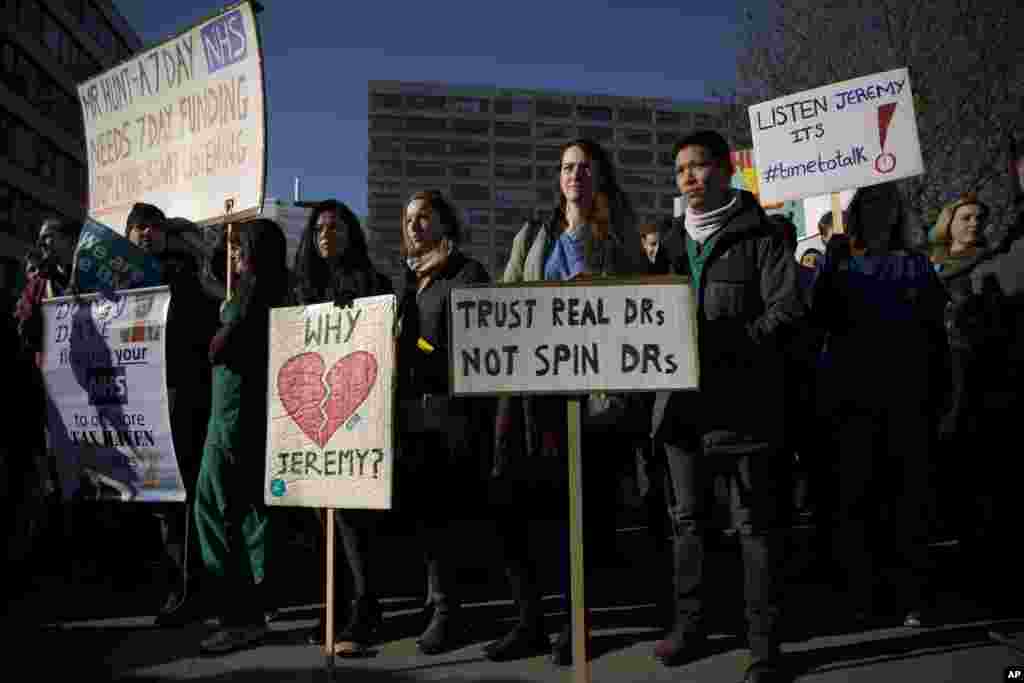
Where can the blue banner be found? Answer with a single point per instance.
(106, 261)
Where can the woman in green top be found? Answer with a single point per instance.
(230, 517)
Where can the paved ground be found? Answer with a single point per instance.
(99, 628)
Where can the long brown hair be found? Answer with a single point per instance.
(449, 218)
(608, 195)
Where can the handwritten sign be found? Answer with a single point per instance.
(104, 260)
(331, 405)
(573, 338)
(851, 134)
(181, 126)
(103, 363)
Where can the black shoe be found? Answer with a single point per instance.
(767, 671)
(364, 621)
(441, 634)
(180, 610)
(521, 642)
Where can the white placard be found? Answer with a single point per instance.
(181, 125)
(846, 135)
(531, 339)
(330, 437)
(105, 374)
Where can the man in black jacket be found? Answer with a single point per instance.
(191, 323)
(747, 296)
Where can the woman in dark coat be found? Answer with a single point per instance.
(437, 445)
(230, 516)
(332, 264)
(880, 305)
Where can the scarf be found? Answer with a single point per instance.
(701, 226)
(427, 264)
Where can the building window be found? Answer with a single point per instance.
(471, 126)
(598, 133)
(635, 115)
(635, 137)
(668, 201)
(511, 150)
(424, 148)
(668, 118)
(666, 159)
(703, 121)
(468, 105)
(553, 110)
(512, 216)
(387, 147)
(634, 180)
(6, 133)
(642, 200)
(507, 129)
(594, 113)
(546, 195)
(472, 193)
(25, 147)
(547, 172)
(636, 157)
(511, 106)
(464, 148)
(424, 169)
(387, 123)
(513, 172)
(555, 131)
(471, 171)
(385, 168)
(96, 25)
(425, 125)
(549, 154)
(379, 100)
(478, 217)
(46, 160)
(668, 137)
(30, 18)
(425, 102)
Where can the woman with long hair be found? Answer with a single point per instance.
(439, 436)
(230, 515)
(333, 264)
(586, 236)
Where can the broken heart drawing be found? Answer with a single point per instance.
(320, 402)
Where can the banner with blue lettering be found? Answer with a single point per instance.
(107, 404)
(105, 261)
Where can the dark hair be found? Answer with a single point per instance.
(314, 276)
(811, 250)
(788, 229)
(825, 220)
(619, 206)
(265, 286)
(887, 236)
(33, 257)
(70, 229)
(712, 141)
(648, 228)
(449, 218)
(144, 214)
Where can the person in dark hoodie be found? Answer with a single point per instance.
(332, 264)
(191, 323)
(230, 516)
(439, 436)
(883, 382)
(747, 297)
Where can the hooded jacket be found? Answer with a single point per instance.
(748, 301)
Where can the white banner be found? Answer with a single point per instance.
(573, 337)
(181, 125)
(330, 438)
(846, 135)
(109, 420)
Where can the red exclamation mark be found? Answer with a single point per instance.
(886, 162)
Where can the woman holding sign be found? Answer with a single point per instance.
(585, 237)
(230, 517)
(437, 443)
(332, 265)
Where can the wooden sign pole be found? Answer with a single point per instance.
(838, 225)
(329, 617)
(229, 205)
(580, 663)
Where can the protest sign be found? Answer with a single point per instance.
(109, 422)
(106, 261)
(573, 337)
(851, 134)
(744, 177)
(181, 125)
(330, 439)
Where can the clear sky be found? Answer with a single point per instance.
(320, 54)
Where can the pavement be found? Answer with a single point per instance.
(66, 625)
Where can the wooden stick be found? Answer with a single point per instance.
(329, 617)
(838, 225)
(580, 665)
(229, 204)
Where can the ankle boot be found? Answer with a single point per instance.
(440, 634)
(686, 639)
(365, 618)
(527, 637)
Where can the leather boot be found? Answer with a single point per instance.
(687, 639)
(365, 619)
(527, 637)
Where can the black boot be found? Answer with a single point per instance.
(365, 619)
(315, 635)
(441, 634)
(686, 640)
(527, 637)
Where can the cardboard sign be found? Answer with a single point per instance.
(330, 439)
(851, 134)
(181, 125)
(106, 261)
(573, 337)
(105, 374)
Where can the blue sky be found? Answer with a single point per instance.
(320, 54)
